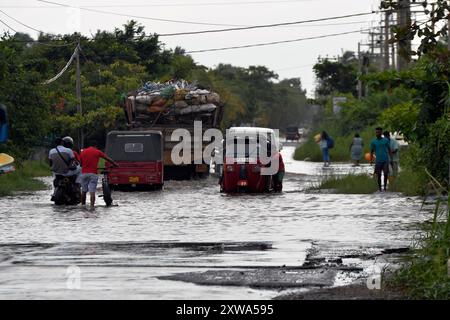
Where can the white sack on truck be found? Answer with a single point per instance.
(204, 108)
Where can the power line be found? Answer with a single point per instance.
(40, 31)
(177, 4)
(274, 42)
(7, 25)
(46, 42)
(237, 27)
(267, 25)
(334, 24)
(141, 17)
(19, 22)
(231, 3)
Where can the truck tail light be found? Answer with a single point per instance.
(242, 183)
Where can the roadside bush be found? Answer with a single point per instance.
(350, 184)
(435, 151)
(402, 118)
(23, 178)
(409, 183)
(425, 274)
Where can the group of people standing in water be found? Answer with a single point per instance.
(384, 151)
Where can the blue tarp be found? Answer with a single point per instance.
(3, 125)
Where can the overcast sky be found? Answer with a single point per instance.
(288, 60)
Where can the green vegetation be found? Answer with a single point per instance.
(350, 184)
(253, 97)
(23, 178)
(425, 274)
(340, 76)
(113, 64)
(309, 151)
(416, 103)
(408, 183)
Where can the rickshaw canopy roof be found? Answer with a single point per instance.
(242, 132)
(135, 146)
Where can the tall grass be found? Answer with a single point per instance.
(349, 184)
(426, 274)
(409, 183)
(23, 178)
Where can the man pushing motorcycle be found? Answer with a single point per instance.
(89, 178)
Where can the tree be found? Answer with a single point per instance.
(340, 76)
(430, 32)
(21, 92)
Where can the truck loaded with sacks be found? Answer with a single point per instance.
(173, 105)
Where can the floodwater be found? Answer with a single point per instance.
(49, 252)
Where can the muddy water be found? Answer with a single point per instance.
(122, 251)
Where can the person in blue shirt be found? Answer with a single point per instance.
(323, 143)
(381, 148)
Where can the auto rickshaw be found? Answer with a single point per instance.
(243, 165)
(140, 158)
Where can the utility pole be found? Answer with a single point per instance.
(386, 41)
(433, 6)
(404, 45)
(372, 44)
(393, 44)
(78, 92)
(448, 35)
(360, 62)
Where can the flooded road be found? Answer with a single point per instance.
(128, 251)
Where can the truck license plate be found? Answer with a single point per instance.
(133, 179)
(201, 168)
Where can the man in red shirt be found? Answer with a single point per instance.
(89, 163)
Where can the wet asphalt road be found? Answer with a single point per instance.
(131, 250)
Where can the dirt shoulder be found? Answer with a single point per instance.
(351, 292)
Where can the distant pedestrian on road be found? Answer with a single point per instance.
(394, 157)
(325, 145)
(89, 165)
(356, 149)
(380, 147)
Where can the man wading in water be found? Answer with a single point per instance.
(380, 146)
(89, 164)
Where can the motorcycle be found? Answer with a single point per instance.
(67, 191)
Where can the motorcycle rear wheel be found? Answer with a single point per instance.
(107, 197)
